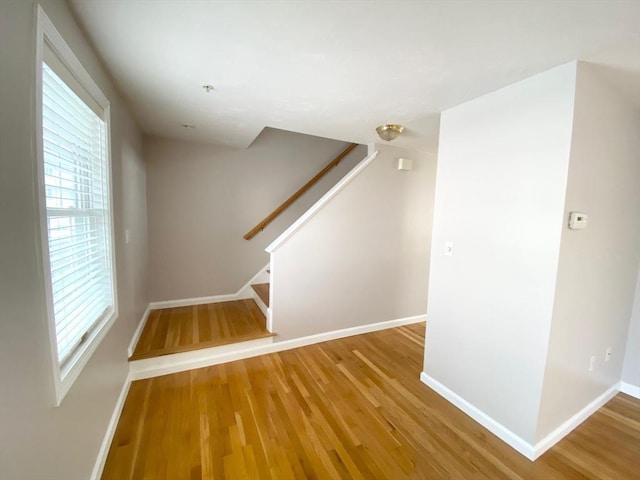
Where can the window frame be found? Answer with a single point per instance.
(64, 377)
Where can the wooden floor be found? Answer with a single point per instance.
(262, 289)
(348, 408)
(181, 329)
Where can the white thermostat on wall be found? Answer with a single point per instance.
(578, 220)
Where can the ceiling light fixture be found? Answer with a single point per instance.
(208, 88)
(187, 125)
(389, 131)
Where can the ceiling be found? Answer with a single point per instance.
(338, 69)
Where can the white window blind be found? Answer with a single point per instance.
(76, 181)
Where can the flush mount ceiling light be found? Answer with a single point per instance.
(208, 88)
(187, 125)
(389, 131)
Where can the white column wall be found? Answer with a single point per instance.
(500, 187)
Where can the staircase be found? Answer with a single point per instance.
(192, 336)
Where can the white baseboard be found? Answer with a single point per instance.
(101, 459)
(244, 292)
(346, 332)
(530, 451)
(495, 427)
(138, 332)
(630, 389)
(187, 302)
(179, 362)
(563, 430)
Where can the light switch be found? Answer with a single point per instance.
(448, 249)
(404, 164)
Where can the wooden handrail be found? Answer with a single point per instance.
(269, 218)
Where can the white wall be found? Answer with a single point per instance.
(38, 441)
(202, 200)
(631, 368)
(502, 170)
(364, 257)
(598, 266)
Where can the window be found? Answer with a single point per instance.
(75, 199)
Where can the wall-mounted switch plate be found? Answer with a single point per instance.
(448, 249)
(404, 164)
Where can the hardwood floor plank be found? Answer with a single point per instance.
(204, 325)
(348, 408)
(182, 329)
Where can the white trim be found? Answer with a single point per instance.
(559, 433)
(187, 302)
(64, 384)
(66, 56)
(630, 389)
(532, 452)
(179, 362)
(244, 292)
(204, 357)
(138, 332)
(479, 416)
(46, 31)
(101, 459)
(270, 308)
(344, 181)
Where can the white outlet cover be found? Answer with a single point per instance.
(578, 220)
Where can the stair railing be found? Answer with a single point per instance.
(272, 216)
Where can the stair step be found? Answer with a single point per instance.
(182, 329)
(262, 289)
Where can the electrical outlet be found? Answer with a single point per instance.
(592, 363)
(607, 355)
